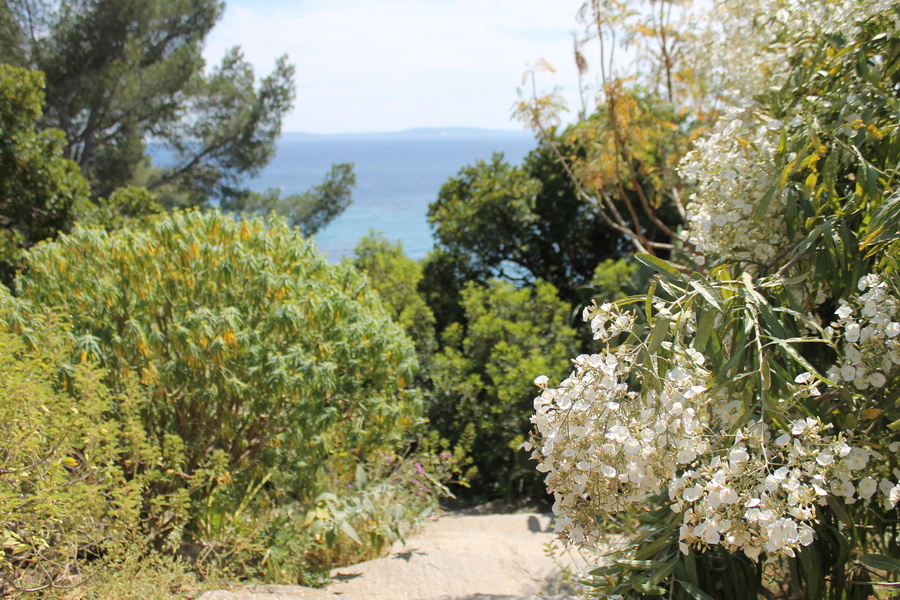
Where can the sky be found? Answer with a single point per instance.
(389, 65)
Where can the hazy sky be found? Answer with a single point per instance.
(388, 65)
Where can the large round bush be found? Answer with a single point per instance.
(261, 363)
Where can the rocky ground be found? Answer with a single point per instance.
(464, 555)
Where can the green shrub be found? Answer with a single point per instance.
(483, 377)
(263, 370)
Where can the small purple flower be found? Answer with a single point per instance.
(445, 455)
(420, 468)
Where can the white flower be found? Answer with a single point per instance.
(877, 380)
(803, 377)
(867, 487)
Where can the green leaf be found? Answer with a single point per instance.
(641, 564)
(350, 532)
(694, 591)
(711, 294)
(648, 302)
(607, 571)
(884, 226)
(704, 329)
(659, 333)
(764, 203)
(812, 571)
(814, 235)
(659, 265)
(784, 345)
(753, 297)
(880, 562)
(690, 567)
(648, 589)
(652, 548)
(837, 506)
(663, 573)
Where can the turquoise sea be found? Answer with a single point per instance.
(397, 176)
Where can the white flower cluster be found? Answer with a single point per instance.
(607, 321)
(748, 49)
(761, 495)
(870, 330)
(604, 446)
(734, 168)
(628, 423)
(748, 45)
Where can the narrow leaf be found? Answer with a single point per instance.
(351, 533)
(660, 330)
(880, 562)
(699, 283)
(641, 564)
(694, 591)
(884, 225)
(704, 329)
(659, 265)
(648, 589)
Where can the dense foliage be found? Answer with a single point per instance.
(396, 277)
(118, 71)
(741, 422)
(259, 362)
(532, 222)
(481, 377)
(60, 498)
(205, 386)
(40, 191)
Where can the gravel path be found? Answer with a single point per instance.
(458, 556)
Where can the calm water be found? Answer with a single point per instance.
(397, 177)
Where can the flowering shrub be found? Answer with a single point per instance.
(650, 418)
(742, 430)
(605, 442)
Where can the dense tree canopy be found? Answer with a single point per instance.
(120, 73)
(522, 223)
(481, 377)
(396, 277)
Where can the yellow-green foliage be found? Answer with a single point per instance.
(260, 364)
(62, 494)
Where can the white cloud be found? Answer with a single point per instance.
(384, 65)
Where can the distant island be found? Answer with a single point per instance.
(421, 132)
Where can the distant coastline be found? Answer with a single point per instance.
(415, 133)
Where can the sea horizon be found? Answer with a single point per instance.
(398, 175)
(450, 131)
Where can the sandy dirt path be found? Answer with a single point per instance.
(458, 556)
